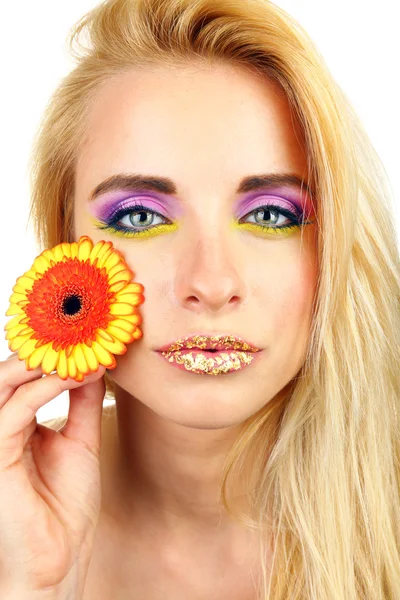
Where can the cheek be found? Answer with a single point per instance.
(293, 306)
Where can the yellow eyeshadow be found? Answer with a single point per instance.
(152, 231)
(265, 230)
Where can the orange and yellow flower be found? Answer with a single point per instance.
(74, 309)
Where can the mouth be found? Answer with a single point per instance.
(210, 355)
(210, 343)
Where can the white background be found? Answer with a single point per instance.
(358, 40)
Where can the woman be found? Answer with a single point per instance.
(208, 141)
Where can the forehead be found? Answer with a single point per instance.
(223, 121)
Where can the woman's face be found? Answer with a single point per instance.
(211, 260)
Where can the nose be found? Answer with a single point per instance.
(209, 275)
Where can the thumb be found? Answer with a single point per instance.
(85, 411)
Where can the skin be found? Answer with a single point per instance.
(206, 128)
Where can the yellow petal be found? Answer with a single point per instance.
(27, 348)
(62, 367)
(66, 248)
(120, 334)
(58, 253)
(103, 356)
(80, 359)
(122, 323)
(138, 333)
(134, 299)
(95, 251)
(122, 276)
(15, 309)
(15, 297)
(102, 251)
(78, 376)
(49, 255)
(120, 308)
(113, 260)
(40, 264)
(102, 259)
(85, 247)
(90, 357)
(17, 342)
(72, 370)
(121, 266)
(14, 322)
(25, 282)
(117, 286)
(135, 319)
(49, 360)
(115, 347)
(104, 335)
(36, 357)
(134, 288)
(74, 249)
(18, 289)
(18, 330)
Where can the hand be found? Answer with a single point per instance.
(50, 489)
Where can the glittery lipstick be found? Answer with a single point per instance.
(210, 355)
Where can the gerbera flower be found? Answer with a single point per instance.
(74, 309)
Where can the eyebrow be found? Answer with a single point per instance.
(167, 186)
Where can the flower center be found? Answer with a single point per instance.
(72, 304)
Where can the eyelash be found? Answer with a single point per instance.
(113, 226)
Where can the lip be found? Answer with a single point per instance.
(204, 341)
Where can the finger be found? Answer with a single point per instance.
(13, 373)
(19, 412)
(84, 416)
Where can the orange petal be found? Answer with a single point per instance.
(36, 357)
(103, 356)
(138, 333)
(90, 357)
(115, 347)
(49, 360)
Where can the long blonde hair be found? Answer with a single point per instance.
(322, 466)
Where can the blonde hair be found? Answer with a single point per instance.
(322, 465)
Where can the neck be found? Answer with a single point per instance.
(167, 473)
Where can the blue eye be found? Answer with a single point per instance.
(132, 212)
(269, 212)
